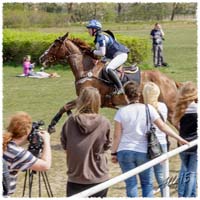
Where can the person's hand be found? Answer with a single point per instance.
(32, 65)
(114, 159)
(92, 51)
(182, 141)
(95, 61)
(45, 135)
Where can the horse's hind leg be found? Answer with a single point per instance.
(66, 108)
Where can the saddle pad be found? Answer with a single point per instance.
(131, 70)
(131, 76)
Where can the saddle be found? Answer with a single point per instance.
(131, 73)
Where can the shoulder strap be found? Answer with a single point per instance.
(148, 118)
(161, 116)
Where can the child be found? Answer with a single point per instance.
(27, 65)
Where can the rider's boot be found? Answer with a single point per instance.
(116, 80)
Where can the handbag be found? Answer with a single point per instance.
(154, 148)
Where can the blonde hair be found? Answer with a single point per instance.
(151, 93)
(20, 124)
(89, 101)
(186, 95)
(27, 57)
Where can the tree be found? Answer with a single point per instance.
(119, 9)
(174, 7)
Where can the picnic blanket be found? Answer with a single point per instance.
(40, 75)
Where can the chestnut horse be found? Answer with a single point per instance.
(86, 69)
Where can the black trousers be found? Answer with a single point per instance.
(74, 188)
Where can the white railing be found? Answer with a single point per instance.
(132, 172)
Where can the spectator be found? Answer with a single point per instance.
(151, 93)
(16, 157)
(157, 36)
(27, 66)
(185, 119)
(130, 144)
(85, 137)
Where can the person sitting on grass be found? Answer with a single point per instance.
(28, 66)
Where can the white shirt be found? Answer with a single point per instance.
(163, 111)
(133, 121)
(192, 108)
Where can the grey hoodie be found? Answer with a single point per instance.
(86, 138)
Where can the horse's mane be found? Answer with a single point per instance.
(81, 44)
(84, 47)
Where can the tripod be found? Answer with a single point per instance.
(30, 174)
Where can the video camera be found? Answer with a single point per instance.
(35, 147)
(35, 140)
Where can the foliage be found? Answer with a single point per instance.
(17, 15)
(17, 44)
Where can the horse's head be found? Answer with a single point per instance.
(63, 48)
(56, 52)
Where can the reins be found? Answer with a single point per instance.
(68, 55)
(89, 77)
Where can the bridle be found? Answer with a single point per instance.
(68, 54)
(53, 58)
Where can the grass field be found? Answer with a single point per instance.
(43, 97)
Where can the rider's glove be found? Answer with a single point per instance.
(92, 51)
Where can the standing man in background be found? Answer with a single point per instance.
(157, 36)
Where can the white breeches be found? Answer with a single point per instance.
(117, 61)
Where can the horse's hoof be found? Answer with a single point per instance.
(51, 129)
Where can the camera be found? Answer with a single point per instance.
(35, 140)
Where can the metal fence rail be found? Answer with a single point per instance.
(132, 172)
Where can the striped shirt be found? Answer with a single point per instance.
(18, 159)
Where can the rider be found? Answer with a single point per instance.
(108, 47)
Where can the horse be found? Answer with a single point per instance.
(86, 69)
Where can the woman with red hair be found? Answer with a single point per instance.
(15, 156)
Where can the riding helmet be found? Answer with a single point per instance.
(94, 24)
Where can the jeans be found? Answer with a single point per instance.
(187, 175)
(159, 171)
(129, 160)
(158, 55)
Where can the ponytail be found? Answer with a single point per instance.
(7, 137)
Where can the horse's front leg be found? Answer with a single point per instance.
(66, 108)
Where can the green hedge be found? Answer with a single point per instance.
(17, 44)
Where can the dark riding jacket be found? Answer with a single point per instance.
(112, 46)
